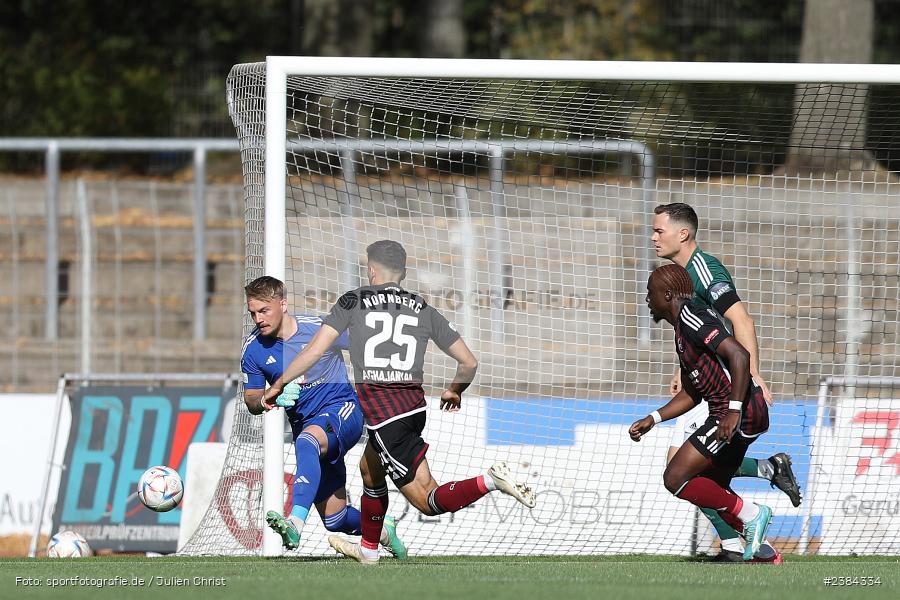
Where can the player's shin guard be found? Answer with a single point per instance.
(706, 493)
(373, 507)
(346, 521)
(455, 495)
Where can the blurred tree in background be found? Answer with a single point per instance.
(104, 68)
(829, 132)
(111, 68)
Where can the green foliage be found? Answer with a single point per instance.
(580, 29)
(110, 68)
(113, 68)
(737, 30)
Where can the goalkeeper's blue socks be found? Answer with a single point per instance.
(309, 474)
(345, 521)
(303, 492)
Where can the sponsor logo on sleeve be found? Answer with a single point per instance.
(348, 301)
(718, 290)
(712, 335)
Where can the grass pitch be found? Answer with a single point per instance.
(495, 578)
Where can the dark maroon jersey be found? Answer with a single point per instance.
(389, 332)
(698, 332)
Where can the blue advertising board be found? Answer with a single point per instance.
(116, 434)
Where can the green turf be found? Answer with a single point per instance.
(617, 578)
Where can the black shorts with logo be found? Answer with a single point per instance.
(400, 446)
(724, 454)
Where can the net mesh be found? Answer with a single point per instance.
(525, 208)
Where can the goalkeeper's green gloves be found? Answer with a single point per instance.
(288, 396)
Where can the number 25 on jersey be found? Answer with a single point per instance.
(391, 329)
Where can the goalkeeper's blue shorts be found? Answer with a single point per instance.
(343, 425)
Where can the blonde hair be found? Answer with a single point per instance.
(265, 288)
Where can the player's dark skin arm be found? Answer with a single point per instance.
(309, 356)
(688, 461)
(739, 365)
(674, 408)
(466, 367)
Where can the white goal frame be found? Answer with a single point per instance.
(278, 68)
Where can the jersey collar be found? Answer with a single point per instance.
(394, 287)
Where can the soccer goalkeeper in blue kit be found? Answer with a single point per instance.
(322, 408)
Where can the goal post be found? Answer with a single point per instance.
(524, 192)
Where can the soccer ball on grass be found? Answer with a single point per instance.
(68, 544)
(160, 488)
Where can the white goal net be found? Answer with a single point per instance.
(525, 207)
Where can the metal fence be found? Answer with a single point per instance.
(122, 275)
(125, 269)
(53, 148)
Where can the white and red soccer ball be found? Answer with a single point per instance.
(160, 488)
(68, 544)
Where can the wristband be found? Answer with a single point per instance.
(656, 417)
(735, 405)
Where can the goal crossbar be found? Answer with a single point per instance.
(446, 68)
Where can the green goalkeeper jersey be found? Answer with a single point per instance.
(712, 283)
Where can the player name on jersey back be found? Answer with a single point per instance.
(379, 299)
(389, 333)
(386, 376)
